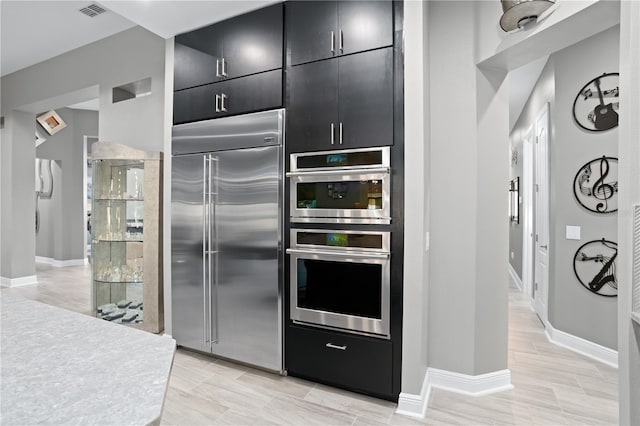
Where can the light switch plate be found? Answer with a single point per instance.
(573, 232)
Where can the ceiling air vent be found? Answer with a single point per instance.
(92, 10)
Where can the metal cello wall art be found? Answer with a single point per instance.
(596, 104)
(595, 267)
(596, 185)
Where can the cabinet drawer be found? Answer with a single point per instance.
(348, 361)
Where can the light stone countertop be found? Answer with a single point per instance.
(61, 367)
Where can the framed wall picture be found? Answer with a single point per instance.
(51, 122)
(596, 105)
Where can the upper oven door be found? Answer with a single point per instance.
(341, 196)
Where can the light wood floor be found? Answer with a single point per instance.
(553, 386)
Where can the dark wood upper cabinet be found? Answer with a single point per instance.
(255, 92)
(253, 42)
(312, 113)
(341, 103)
(323, 29)
(240, 46)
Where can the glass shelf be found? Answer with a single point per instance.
(117, 199)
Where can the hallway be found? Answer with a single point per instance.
(553, 386)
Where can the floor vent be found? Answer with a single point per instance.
(92, 10)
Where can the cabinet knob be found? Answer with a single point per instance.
(222, 98)
(217, 103)
(333, 42)
(333, 134)
(340, 139)
(341, 44)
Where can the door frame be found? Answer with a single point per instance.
(541, 305)
(527, 212)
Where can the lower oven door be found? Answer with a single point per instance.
(346, 290)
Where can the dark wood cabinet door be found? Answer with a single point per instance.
(196, 55)
(364, 25)
(313, 107)
(310, 25)
(366, 98)
(252, 93)
(253, 42)
(195, 104)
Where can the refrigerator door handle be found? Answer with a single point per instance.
(213, 224)
(205, 228)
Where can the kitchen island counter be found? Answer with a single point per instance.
(61, 367)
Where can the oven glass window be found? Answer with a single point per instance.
(359, 195)
(339, 239)
(341, 159)
(340, 287)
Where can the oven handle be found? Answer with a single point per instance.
(339, 172)
(340, 253)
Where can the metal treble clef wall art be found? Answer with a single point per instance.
(595, 267)
(594, 108)
(596, 185)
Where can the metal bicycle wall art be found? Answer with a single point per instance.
(596, 185)
(596, 104)
(595, 267)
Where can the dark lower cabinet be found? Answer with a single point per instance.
(238, 96)
(341, 103)
(348, 361)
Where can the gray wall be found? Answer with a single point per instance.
(62, 217)
(80, 75)
(18, 196)
(572, 308)
(543, 92)
(416, 259)
(467, 201)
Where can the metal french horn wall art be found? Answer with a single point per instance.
(596, 185)
(595, 267)
(596, 104)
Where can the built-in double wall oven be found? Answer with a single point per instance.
(340, 275)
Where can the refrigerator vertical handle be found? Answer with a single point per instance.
(205, 227)
(214, 241)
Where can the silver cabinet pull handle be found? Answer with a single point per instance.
(341, 41)
(546, 247)
(211, 210)
(332, 346)
(333, 134)
(340, 134)
(217, 67)
(222, 107)
(333, 42)
(217, 103)
(224, 68)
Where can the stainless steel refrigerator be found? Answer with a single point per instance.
(226, 228)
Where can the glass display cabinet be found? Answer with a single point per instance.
(126, 236)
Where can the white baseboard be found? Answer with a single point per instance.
(415, 405)
(515, 277)
(483, 384)
(62, 263)
(18, 282)
(584, 347)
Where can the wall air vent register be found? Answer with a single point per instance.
(635, 280)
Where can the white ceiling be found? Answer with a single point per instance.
(34, 31)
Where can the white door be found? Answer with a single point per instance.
(541, 240)
(527, 211)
